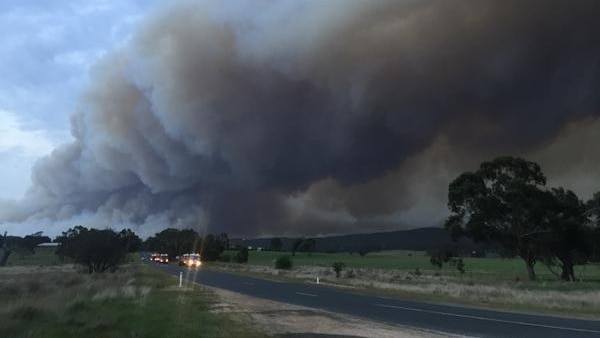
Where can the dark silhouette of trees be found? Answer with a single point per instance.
(506, 203)
(5, 250)
(501, 203)
(131, 241)
(242, 255)
(213, 246)
(97, 250)
(174, 242)
(337, 268)
(564, 244)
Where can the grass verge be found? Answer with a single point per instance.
(136, 301)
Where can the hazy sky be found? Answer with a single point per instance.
(46, 50)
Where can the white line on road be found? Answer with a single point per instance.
(306, 294)
(488, 319)
(248, 283)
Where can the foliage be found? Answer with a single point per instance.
(5, 250)
(338, 267)
(503, 203)
(97, 250)
(564, 244)
(242, 255)
(131, 241)
(283, 262)
(213, 246)
(173, 242)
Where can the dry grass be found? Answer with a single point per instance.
(136, 301)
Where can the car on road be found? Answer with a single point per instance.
(191, 260)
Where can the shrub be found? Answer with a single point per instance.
(283, 263)
(242, 255)
(460, 266)
(337, 267)
(97, 250)
(225, 258)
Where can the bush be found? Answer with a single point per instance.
(225, 258)
(97, 250)
(283, 263)
(337, 267)
(242, 255)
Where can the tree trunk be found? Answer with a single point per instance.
(4, 253)
(530, 264)
(568, 271)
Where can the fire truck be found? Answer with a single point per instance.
(159, 258)
(191, 260)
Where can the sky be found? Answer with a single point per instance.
(46, 51)
(291, 117)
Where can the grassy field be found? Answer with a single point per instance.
(44, 256)
(492, 269)
(136, 301)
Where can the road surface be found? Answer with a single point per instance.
(438, 317)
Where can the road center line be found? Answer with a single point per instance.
(306, 294)
(488, 319)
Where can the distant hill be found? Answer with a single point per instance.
(421, 239)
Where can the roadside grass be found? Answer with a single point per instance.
(483, 270)
(136, 301)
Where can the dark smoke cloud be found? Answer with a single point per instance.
(315, 117)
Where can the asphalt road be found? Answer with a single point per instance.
(438, 317)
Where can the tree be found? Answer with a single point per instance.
(174, 242)
(337, 267)
(5, 250)
(593, 238)
(501, 203)
(565, 243)
(130, 240)
(276, 244)
(212, 247)
(297, 245)
(97, 250)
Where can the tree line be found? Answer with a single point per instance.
(507, 203)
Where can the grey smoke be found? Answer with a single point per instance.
(314, 117)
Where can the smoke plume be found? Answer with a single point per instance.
(305, 117)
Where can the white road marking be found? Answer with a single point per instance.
(488, 319)
(248, 283)
(306, 294)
